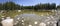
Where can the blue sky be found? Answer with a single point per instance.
(31, 2)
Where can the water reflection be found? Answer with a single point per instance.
(36, 20)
